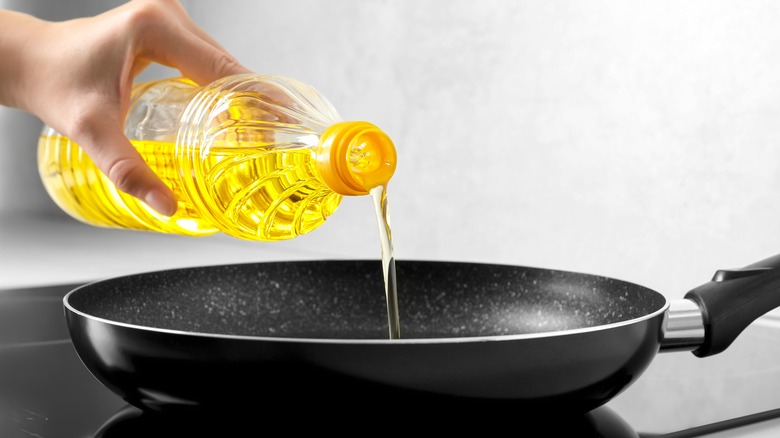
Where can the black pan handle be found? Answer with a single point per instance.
(733, 300)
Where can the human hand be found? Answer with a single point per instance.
(77, 75)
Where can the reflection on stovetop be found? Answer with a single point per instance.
(45, 391)
(357, 418)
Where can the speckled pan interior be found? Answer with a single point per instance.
(345, 299)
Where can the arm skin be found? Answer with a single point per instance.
(88, 65)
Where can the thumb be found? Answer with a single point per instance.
(122, 163)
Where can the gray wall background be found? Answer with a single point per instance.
(633, 139)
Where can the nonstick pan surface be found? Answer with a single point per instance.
(300, 333)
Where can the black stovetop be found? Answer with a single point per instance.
(45, 391)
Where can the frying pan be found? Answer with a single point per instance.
(309, 333)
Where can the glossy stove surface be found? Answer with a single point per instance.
(45, 391)
(130, 422)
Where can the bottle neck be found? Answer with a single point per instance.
(355, 157)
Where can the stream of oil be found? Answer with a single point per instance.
(379, 195)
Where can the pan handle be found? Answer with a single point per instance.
(733, 300)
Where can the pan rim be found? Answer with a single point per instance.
(347, 341)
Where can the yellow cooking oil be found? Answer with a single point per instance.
(275, 193)
(258, 157)
(379, 196)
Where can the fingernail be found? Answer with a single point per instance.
(161, 202)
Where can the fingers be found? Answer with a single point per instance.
(174, 8)
(113, 154)
(203, 62)
(217, 62)
(189, 49)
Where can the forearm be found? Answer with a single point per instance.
(17, 33)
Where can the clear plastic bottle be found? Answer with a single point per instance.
(257, 157)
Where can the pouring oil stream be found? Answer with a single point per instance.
(379, 195)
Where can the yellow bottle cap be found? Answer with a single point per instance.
(355, 157)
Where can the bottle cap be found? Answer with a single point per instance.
(355, 157)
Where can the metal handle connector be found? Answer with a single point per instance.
(683, 326)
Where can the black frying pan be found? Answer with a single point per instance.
(308, 334)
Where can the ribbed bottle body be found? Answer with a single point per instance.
(239, 155)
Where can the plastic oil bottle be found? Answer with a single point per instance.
(258, 157)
